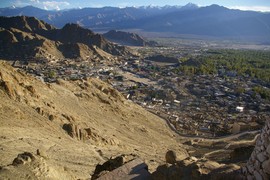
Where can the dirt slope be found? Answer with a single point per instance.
(75, 125)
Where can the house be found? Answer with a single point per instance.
(239, 127)
(239, 109)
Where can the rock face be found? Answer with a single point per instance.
(258, 166)
(23, 158)
(28, 37)
(127, 38)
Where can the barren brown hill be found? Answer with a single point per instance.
(66, 128)
(128, 39)
(28, 37)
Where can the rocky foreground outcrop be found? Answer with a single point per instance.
(193, 168)
(75, 125)
(258, 166)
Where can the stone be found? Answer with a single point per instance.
(261, 157)
(250, 169)
(266, 166)
(114, 163)
(265, 176)
(51, 117)
(249, 177)
(135, 169)
(170, 157)
(268, 149)
(257, 165)
(258, 142)
(257, 175)
(244, 170)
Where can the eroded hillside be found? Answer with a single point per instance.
(74, 125)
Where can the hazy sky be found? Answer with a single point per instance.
(258, 5)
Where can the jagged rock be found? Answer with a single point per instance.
(170, 157)
(79, 133)
(111, 141)
(112, 164)
(69, 118)
(23, 158)
(8, 88)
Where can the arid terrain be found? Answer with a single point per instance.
(33, 115)
(70, 100)
(77, 124)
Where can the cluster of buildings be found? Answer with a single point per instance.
(198, 105)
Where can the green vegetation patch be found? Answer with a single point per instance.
(252, 63)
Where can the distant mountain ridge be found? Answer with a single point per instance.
(29, 37)
(128, 39)
(214, 20)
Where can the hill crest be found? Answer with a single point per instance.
(128, 38)
(28, 37)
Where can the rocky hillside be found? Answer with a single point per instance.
(63, 130)
(128, 39)
(28, 37)
(258, 166)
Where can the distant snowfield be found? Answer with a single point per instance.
(252, 8)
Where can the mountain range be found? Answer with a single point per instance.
(214, 20)
(26, 37)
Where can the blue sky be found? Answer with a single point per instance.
(258, 5)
